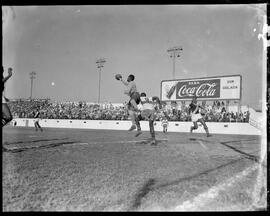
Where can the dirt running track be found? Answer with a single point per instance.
(100, 170)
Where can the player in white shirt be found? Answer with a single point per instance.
(164, 123)
(149, 106)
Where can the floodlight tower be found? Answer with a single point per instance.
(174, 52)
(32, 77)
(100, 64)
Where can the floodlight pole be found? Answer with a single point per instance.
(32, 77)
(100, 64)
(174, 52)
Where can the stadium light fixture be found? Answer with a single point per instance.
(100, 64)
(175, 52)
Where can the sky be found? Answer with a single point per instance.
(62, 44)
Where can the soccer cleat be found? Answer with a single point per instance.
(133, 127)
(191, 129)
(153, 142)
(208, 135)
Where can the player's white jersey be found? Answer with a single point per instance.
(147, 103)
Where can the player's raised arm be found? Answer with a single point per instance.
(119, 77)
(8, 76)
(6, 113)
(123, 81)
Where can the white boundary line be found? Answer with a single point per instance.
(125, 141)
(84, 143)
(203, 198)
(79, 143)
(202, 144)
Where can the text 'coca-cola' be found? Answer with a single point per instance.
(202, 89)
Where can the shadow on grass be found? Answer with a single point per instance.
(33, 141)
(147, 187)
(36, 147)
(150, 184)
(188, 178)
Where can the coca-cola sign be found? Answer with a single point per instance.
(212, 88)
(202, 89)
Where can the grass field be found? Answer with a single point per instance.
(101, 170)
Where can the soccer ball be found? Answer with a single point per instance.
(118, 76)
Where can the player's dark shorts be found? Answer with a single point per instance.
(135, 96)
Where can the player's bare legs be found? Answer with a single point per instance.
(132, 113)
(204, 126)
(137, 120)
(132, 117)
(37, 126)
(6, 114)
(194, 127)
(152, 132)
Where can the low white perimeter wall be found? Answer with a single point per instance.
(215, 128)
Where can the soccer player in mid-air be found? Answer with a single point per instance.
(196, 116)
(6, 114)
(134, 95)
(148, 112)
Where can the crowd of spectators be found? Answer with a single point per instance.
(212, 113)
(90, 111)
(67, 110)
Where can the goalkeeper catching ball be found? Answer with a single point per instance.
(134, 95)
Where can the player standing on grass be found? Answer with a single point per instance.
(164, 123)
(36, 121)
(134, 95)
(148, 112)
(196, 116)
(6, 114)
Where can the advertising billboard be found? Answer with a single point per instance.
(210, 88)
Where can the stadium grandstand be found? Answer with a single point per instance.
(216, 110)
